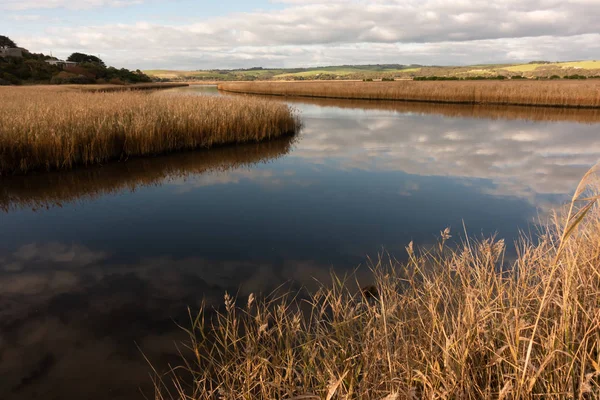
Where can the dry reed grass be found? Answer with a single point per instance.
(529, 93)
(125, 88)
(48, 129)
(494, 112)
(450, 323)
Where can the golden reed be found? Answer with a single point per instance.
(450, 322)
(528, 93)
(51, 129)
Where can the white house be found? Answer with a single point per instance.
(61, 63)
(11, 52)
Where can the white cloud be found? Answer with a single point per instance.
(25, 18)
(20, 5)
(318, 32)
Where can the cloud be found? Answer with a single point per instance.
(25, 18)
(20, 5)
(318, 32)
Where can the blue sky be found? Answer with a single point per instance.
(186, 34)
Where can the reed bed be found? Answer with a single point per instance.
(46, 129)
(528, 93)
(494, 112)
(125, 88)
(451, 322)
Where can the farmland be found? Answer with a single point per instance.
(534, 69)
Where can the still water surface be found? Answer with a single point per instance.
(97, 262)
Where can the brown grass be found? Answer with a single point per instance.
(527, 93)
(125, 88)
(449, 323)
(48, 129)
(495, 112)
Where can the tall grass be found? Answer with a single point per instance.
(495, 112)
(125, 88)
(58, 129)
(449, 323)
(530, 93)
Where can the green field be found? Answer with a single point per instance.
(585, 65)
(333, 72)
(539, 69)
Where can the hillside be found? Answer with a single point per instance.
(330, 72)
(18, 66)
(536, 69)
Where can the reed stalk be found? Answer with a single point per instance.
(450, 322)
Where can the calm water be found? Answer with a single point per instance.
(96, 262)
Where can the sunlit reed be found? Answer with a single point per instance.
(451, 322)
(57, 129)
(531, 93)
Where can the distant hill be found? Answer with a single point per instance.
(538, 69)
(18, 66)
(329, 72)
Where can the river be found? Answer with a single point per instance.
(98, 264)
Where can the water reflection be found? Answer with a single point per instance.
(57, 188)
(71, 316)
(537, 161)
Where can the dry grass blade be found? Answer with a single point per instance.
(450, 323)
(572, 221)
(334, 386)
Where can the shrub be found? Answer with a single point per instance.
(11, 79)
(575, 76)
(117, 81)
(68, 78)
(436, 78)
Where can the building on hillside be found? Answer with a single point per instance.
(11, 52)
(61, 63)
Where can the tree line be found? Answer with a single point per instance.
(34, 68)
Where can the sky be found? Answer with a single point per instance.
(191, 35)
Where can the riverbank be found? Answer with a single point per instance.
(478, 111)
(451, 322)
(46, 128)
(126, 88)
(577, 94)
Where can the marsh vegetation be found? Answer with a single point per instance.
(458, 322)
(52, 129)
(527, 93)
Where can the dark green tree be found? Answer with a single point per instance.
(5, 42)
(85, 58)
